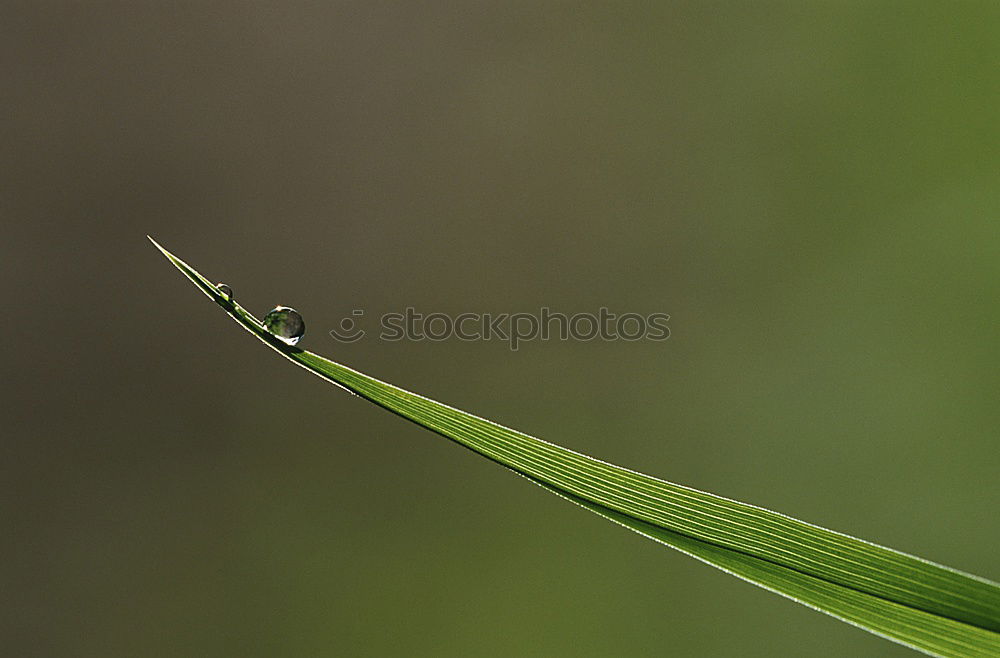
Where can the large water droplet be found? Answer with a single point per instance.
(285, 323)
(226, 291)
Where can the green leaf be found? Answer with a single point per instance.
(918, 603)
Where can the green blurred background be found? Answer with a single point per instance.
(808, 189)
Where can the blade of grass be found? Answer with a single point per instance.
(926, 606)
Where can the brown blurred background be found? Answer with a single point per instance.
(809, 191)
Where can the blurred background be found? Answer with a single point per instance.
(809, 191)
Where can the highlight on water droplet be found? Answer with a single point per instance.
(226, 291)
(285, 323)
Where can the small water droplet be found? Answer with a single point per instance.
(226, 291)
(285, 323)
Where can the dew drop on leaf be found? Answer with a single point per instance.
(285, 323)
(226, 291)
